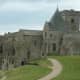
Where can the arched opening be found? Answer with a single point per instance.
(23, 63)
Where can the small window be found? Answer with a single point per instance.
(72, 20)
(45, 34)
(1, 50)
(13, 51)
(12, 61)
(54, 46)
(43, 54)
(22, 63)
(35, 43)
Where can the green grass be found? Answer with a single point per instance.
(29, 72)
(71, 68)
(0, 74)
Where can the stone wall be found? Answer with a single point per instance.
(21, 47)
(71, 44)
(52, 41)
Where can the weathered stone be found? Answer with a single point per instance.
(60, 36)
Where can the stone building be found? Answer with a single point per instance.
(60, 36)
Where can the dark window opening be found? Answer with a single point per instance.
(60, 41)
(72, 20)
(22, 63)
(35, 43)
(54, 47)
(43, 54)
(13, 52)
(1, 49)
(45, 34)
(28, 55)
(12, 61)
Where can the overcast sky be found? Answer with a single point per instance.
(30, 14)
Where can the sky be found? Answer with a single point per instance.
(30, 14)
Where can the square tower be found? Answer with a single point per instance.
(71, 19)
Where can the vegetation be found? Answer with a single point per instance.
(30, 72)
(71, 67)
(0, 74)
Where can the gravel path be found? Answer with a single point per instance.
(3, 76)
(56, 70)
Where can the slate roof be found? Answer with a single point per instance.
(57, 22)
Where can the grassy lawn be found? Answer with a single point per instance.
(29, 72)
(0, 74)
(71, 68)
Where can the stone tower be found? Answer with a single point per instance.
(71, 19)
(52, 34)
(61, 24)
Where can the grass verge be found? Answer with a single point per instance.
(30, 72)
(71, 67)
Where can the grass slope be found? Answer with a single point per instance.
(29, 72)
(71, 68)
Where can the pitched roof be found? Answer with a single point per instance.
(57, 22)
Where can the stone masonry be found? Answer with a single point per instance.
(60, 36)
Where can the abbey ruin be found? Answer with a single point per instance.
(60, 36)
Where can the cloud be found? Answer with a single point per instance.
(19, 6)
(29, 0)
(36, 5)
(30, 14)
